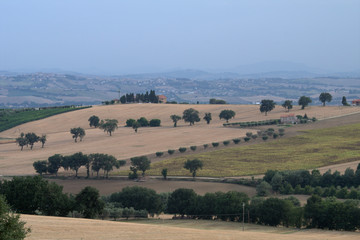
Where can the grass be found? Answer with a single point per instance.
(314, 148)
(11, 118)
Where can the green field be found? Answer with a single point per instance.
(312, 149)
(10, 118)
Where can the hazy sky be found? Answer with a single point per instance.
(133, 36)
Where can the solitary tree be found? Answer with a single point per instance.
(109, 125)
(226, 114)
(325, 97)
(207, 118)
(266, 106)
(94, 121)
(287, 105)
(42, 139)
(191, 115)
(77, 133)
(175, 119)
(164, 173)
(193, 166)
(140, 163)
(344, 101)
(31, 138)
(304, 101)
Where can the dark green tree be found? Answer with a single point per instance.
(164, 173)
(42, 139)
(181, 201)
(227, 114)
(94, 121)
(175, 119)
(40, 167)
(191, 115)
(207, 118)
(193, 166)
(109, 125)
(304, 101)
(266, 106)
(78, 160)
(325, 97)
(54, 163)
(140, 164)
(344, 101)
(77, 133)
(136, 126)
(11, 227)
(287, 105)
(31, 139)
(130, 122)
(143, 122)
(88, 202)
(21, 141)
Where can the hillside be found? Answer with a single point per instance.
(74, 228)
(125, 143)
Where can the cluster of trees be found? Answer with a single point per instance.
(140, 98)
(34, 195)
(216, 101)
(326, 185)
(30, 139)
(142, 122)
(93, 163)
(191, 116)
(108, 125)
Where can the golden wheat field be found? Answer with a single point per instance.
(57, 228)
(125, 143)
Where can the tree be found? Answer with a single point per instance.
(175, 119)
(130, 122)
(143, 122)
(78, 160)
(88, 202)
(21, 141)
(325, 97)
(155, 123)
(77, 133)
(181, 201)
(191, 115)
(216, 101)
(164, 173)
(263, 189)
(40, 167)
(94, 121)
(135, 126)
(266, 106)
(140, 163)
(31, 139)
(226, 114)
(344, 101)
(54, 163)
(304, 101)
(193, 166)
(109, 125)
(11, 227)
(42, 139)
(207, 118)
(287, 105)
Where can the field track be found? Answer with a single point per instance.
(125, 143)
(57, 228)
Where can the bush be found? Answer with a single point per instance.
(275, 135)
(226, 143)
(182, 149)
(246, 139)
(143, 122)
(254, 136)
(155, 123)
(215, 144)
(193, 148)
(130, 122)
(249, 134)
(205, 146)
(171, 151)
(281, 130)
(159, 154)
(265, 137)
(314, 119)
(263, 189)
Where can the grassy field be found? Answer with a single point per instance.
(313, 149)
(11, 118)
(57, 228)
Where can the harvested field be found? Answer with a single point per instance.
(125, 143)
(57, 228)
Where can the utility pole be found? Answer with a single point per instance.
(119, 94)
(243, 216)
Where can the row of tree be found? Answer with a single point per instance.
(93, 163)
(191, 116)
(29, 139)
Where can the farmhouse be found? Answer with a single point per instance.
(162, 98)
(356, 102)
(291, 118)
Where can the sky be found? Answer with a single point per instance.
(137, 36)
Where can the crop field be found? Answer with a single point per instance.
(125, 143)
(312, 149)
(57, 228)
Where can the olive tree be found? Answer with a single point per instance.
(191, 115)
(325, 97)
(109, 125)
(77, 133)
(266, 106)
(175, 119)
(227, 114)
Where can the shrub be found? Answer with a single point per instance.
(182, 149)
(263, 189)
(143, 122)
(265, 137)
(155, 123)
(171, 151)
(275, 135)
(281, 130)
(205, 146)
(246, 139)
(159, 154)
(130, 122)
(270, 130)
(236, 140)
(314, 119)
(215, 144)
(226, 143)
(254, 136)
(249, 134)
(193, 148)
(281, 134)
